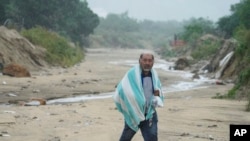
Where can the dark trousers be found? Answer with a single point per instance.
(148, 129)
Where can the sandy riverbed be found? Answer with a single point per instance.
(186, 116)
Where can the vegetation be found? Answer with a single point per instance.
(236, 25)
(59, 52)
(70, 18)
(240, 16)
(243, 55)
(206, 49)
(240, 29)
(119, 30)
(194, 29)
(124, 32)
(52, 24)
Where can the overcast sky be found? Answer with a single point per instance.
(164, 10)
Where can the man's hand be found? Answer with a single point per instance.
(156, 93)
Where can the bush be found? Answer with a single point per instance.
(241, 89)
(59, 52)
(205, 49)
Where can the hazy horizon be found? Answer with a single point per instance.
(164, 10)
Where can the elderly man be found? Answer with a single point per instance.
(137, 96)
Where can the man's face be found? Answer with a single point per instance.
(146, 62)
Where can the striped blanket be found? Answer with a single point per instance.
(129, 97)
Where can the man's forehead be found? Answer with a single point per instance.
(147, 55)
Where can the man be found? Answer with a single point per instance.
(135, 98)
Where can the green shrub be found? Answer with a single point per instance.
(242, 52)
(59, 52)
(205, 49)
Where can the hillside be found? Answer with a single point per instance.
(17, 49)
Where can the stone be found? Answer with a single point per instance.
(16, 70)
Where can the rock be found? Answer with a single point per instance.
(1, 67)
(1, 62)
(219, 82)
(196, 76)
(36, 91)
(16, 70)
(185, 134)
(181, 64)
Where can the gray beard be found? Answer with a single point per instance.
(146, 70)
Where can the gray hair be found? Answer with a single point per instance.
(146, 53)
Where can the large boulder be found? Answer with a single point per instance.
(15, 70)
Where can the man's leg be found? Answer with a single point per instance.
(149, 128)
(127, 133)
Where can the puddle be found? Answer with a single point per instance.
(80, 98)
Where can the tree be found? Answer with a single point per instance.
(227, 24)
(71, 18)
(3, 5)
(78, 22)
(197, 27)
(120, 23)
(242, 10)
(240, 17)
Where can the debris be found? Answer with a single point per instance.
(212, 126)
(11, 94)
(11, 112)
(36, 91)
(219, 82)
(35, 102)
(4, 135)
(185, 134)
(32, 103)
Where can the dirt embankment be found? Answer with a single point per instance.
(17, 49)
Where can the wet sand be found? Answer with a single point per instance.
(186, 116)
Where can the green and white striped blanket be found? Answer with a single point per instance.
(129, 97)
